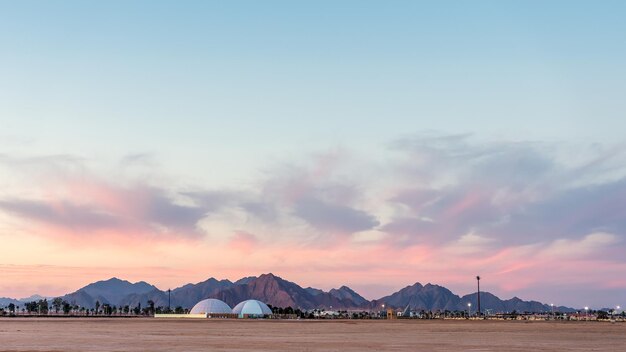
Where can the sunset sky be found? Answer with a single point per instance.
(368, 143)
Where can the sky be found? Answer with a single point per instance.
(369, 143)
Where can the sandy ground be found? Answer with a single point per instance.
(62, 334)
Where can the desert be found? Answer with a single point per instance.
(150, 334)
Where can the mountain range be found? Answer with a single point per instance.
(279, 292)
(5, 301)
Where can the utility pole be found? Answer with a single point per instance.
(169, 300)
(478, 281)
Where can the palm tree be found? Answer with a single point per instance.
(57, 303)
(151, 306)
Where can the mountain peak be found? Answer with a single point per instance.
(269, 275)
(430, 286)
(245, 280)
(112, 280)
(416, 285)
(345, 292)
(35, 297)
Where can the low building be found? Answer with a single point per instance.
(212, 308)
(252, 309)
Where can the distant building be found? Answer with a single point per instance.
(252, 308)
(214, 308)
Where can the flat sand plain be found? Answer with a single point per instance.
(149, 334)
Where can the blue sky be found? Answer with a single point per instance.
(232, 95)
(259, 77)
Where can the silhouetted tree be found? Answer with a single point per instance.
(137, 309)
(57, 303)
(31, 306)
(42, 306)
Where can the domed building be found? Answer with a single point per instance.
(211, 307)
(251, 308)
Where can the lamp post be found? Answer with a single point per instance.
(586, 314)
(552, 308)
(384, 314)
(478, 295)
(469, 310)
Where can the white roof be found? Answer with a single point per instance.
(211, 306)
(251, 307)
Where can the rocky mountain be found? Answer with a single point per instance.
(81, 298)
(184, 296)
(33, 298)
(278, 292)
(491, 302)
(418, 297)
(188, 295)
(157, 296)
(245, 280)
(268, 288)
(313, 291)
(435, 297)
(111, 291)
(5, 301)
(345, 292)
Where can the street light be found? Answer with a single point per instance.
(478, 294)
(613, 312)
(552, 307)
(469, 310)
(586, 314)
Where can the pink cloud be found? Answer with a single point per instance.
(469, 201)
(513, 225)
(243, 242)
(89, 208)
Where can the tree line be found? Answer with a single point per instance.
(59, 306)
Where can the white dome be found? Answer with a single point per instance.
(252, 307)
(211, 306)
